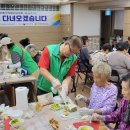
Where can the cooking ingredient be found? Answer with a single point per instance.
(55, 106)
(70, 107)
(54, 123)
(66, 113)
(85, 128)
(15, 122)
(38, 106)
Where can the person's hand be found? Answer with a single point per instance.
(65, 87)
(81, 98)
(97, 117)
(56, 84)
(85, 111)
(86, 117)
(63, 92)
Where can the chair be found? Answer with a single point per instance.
(73, 90)
(3, 96)
(116, 107)
(83, 67)
(86, 71)
(115, 79)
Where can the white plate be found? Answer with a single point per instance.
(58, 99)
(62, 115)
(14, 113)
(89, 127)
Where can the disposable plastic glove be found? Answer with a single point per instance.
(56, 84)
(63, 92)
(85, 111)
(81, 98)
(65, 87)
(86, 117)
(97, 117)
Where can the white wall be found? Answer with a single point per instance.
(65, 9)
(85, 22)
(119, 19)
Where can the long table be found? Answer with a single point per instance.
(9, 84)
(40, 121)
(16, 79)
(2, 82)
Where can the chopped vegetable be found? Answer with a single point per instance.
(84, 128)
(55, 106)
(70, 107)
(66, 113)
(15, 122)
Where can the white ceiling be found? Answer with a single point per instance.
(92, 1)
(103, 4)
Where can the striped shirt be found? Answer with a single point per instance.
(15, 57)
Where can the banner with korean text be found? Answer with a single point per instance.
(29, 18)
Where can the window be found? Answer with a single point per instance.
(29, 7)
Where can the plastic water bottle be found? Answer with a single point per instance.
(22, 71)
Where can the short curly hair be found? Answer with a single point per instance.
(103, 69)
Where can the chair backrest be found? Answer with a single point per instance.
(83, 63)
(115, 78)
(84, 66)
(115, 73)
(117, 105)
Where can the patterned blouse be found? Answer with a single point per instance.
(118, 116)
(103, 98)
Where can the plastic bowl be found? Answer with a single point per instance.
(85, 128)
(16, 122)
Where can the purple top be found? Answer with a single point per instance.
(118, 116)
(103, 98)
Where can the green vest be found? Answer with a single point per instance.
(57, 68)
(27, 62)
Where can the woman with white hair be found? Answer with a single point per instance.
(31, 48)
(103, 94)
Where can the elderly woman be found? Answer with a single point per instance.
(31, 48)
(120, 60)
(33, 52)
(101, 55)
(103, 94)
(122, 115)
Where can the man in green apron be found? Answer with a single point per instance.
(57, 64)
